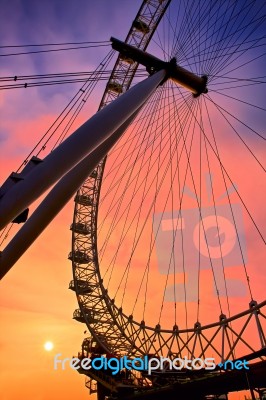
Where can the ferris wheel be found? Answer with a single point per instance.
(162, 226)
(168, 232)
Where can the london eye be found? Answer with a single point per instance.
(168, 231)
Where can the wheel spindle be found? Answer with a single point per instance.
(192, 82)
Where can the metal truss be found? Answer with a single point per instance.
(95, 309)
(115, 332)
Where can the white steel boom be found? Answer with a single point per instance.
(75, 148)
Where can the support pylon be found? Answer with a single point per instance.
(75, 148)
(56, 200)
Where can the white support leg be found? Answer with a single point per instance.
(60, 194)
(75, 148)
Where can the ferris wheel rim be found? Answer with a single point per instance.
(113, 309)
(143, 43)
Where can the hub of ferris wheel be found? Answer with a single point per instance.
(190, 81)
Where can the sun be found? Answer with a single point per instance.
(48, 346)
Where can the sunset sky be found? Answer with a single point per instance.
(36, 305)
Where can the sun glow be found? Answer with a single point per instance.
(48, 346)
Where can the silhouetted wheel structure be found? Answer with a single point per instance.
(168, 242)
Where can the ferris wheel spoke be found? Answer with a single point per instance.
(213, 196)
(224, 175)
(225, 32)
(132, 166)
(198, 200)
(166, 189)
(223, 112)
